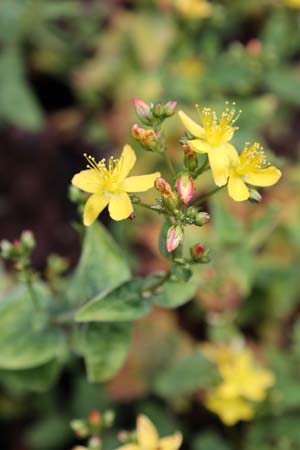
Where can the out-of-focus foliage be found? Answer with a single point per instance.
(104, 54)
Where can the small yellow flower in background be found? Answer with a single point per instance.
(193, 9)
(250, 167)
(292, 3)
(242, 384)
(148, 439)
(110, 186)
(212, 137)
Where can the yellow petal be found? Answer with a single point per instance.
(93, 207)
(199, 146)
(170, 442)
(237, 188)
(120, 206)
(231, 153)
(126, 162)
(195, 129)
(264, 177)
(140, 183)
(219, 164)
(87, 180)
(147, 435)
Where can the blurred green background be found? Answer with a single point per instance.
(69, 70)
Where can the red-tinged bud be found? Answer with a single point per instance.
(185, 187)
(202, 218)
(254, 47)
(174, 237)
(16, 243)
(190, 158)
(149, 139)
(143, 111)
(170, 108)
(169, 198)
(132, 216)
(157, 109)
(200, 254)
(94, 418)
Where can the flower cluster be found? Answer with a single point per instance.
(243, 384)
(111, 186)
(213, 138)
(145, 437)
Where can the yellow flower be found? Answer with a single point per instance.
(250, 167)
(242, 384)
(193, 9)
(213, 138)
(148, 439)
(110, 186)
(292, 3)
(230, 410)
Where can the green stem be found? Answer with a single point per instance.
(204, 166)
(206, 196)
(169, 163)
(151, 207)
(31, 290)
(157, 284)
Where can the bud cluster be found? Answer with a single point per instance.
(151, 115)
(92, 428)
(18, 251)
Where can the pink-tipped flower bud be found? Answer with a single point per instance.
(27, 239)
(185, 187)
(174, 237)
(254, 47)
(143, 111)
(157, 110)
(202, 218)
(94, 418)
(170, 108)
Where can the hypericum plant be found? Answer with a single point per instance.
(90, 312)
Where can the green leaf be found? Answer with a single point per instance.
(285, 83)
(37, 379)
(209, 440)
(186, 376)
(101, 268)
(122, 304)
(175, 293)
(104, 348)
(227, 228)
(26, 339)
(17, 102)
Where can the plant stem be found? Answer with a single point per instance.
(206, 196)
(169, 163)
(158, 283)
(151, 207)
(32, 293)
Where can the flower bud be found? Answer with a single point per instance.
(199, 253)
(27, 240)
(169, 108)
(174, 237)
(108, 418)
(157, 110)
(149, 139)
(95, 443)
(143, 111)
(80, 428)
(168, 196)
(94, 418)
(185, 187)
(6, 249)
(254, 196)
(190, 158)
(202, 218)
